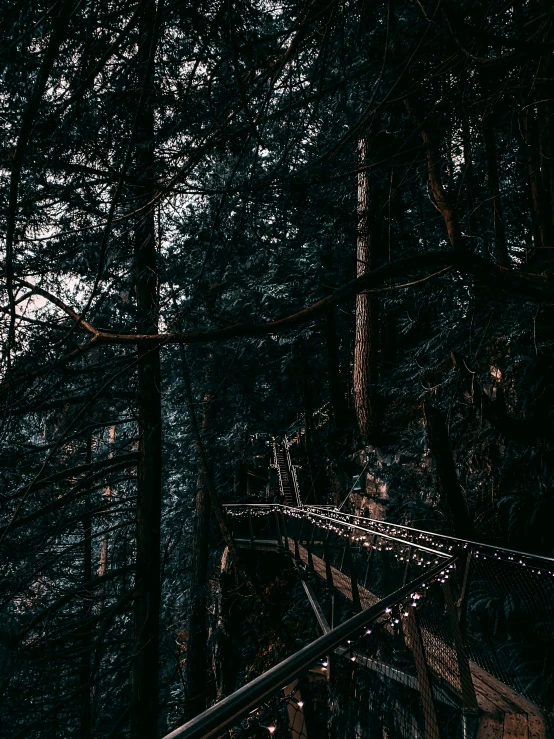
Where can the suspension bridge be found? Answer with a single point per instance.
(442, 638)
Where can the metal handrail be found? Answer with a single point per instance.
(294, 478)
(220, 716)
(373, 526)
(276, 466)
(310, 514)
(451, 540)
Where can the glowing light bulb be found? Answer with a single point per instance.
(300, 704)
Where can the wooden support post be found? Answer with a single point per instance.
(407, 568)
(413, 637)
(284, 524)
(343, 555)
(296, 550)
(369, 559)
(464, 559)
(278, 531)
(351, 562)
(327, 558)
(469, 700)
(299, 537)
(250, 529)
(309, 548)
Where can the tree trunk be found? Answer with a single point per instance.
(196, 666)
(440, 195)
(85, 666)
(500, 246)
(103, 564)
(366, 329)
(545, 125)
(309, 427)
(532, 162)
(336, 388)
(216, 507)
(144, 710)
(469, 176)
(450, 492)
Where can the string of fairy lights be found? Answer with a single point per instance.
(373, 534)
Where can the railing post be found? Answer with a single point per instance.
(469, 700)
(407, 568)
(413, 634)
(278, 530)
(353, 579)
(464, 558)
(283, 521)
(369, 559)
(309, 548)
(250, 529)
(327, 558)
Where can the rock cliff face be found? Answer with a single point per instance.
(370, 494)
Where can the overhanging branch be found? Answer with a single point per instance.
(518, 284)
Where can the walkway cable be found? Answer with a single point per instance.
(354, 485)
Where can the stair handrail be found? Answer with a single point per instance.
(276, 465)
(292, 469)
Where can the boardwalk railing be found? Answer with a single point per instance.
(490, 633)
(506, 604)
(277, 700)
(424, 636)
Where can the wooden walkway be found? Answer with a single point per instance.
(503, 713)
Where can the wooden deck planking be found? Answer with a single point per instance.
(516, 726)
(490, 728)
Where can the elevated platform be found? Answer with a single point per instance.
(503, 713)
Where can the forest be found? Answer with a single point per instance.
(225, 224)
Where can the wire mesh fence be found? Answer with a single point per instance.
(509, 624)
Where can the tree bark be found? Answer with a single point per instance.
(450, 492)
(500, 245)
(532, 161)
(103, 564)
(196, 666)
(144, 709)
(545, 126)
(366, 329)
(85, 666)
(469, 177)
(309, 426)
(336, 388)
(216, 507)
(440, 196)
